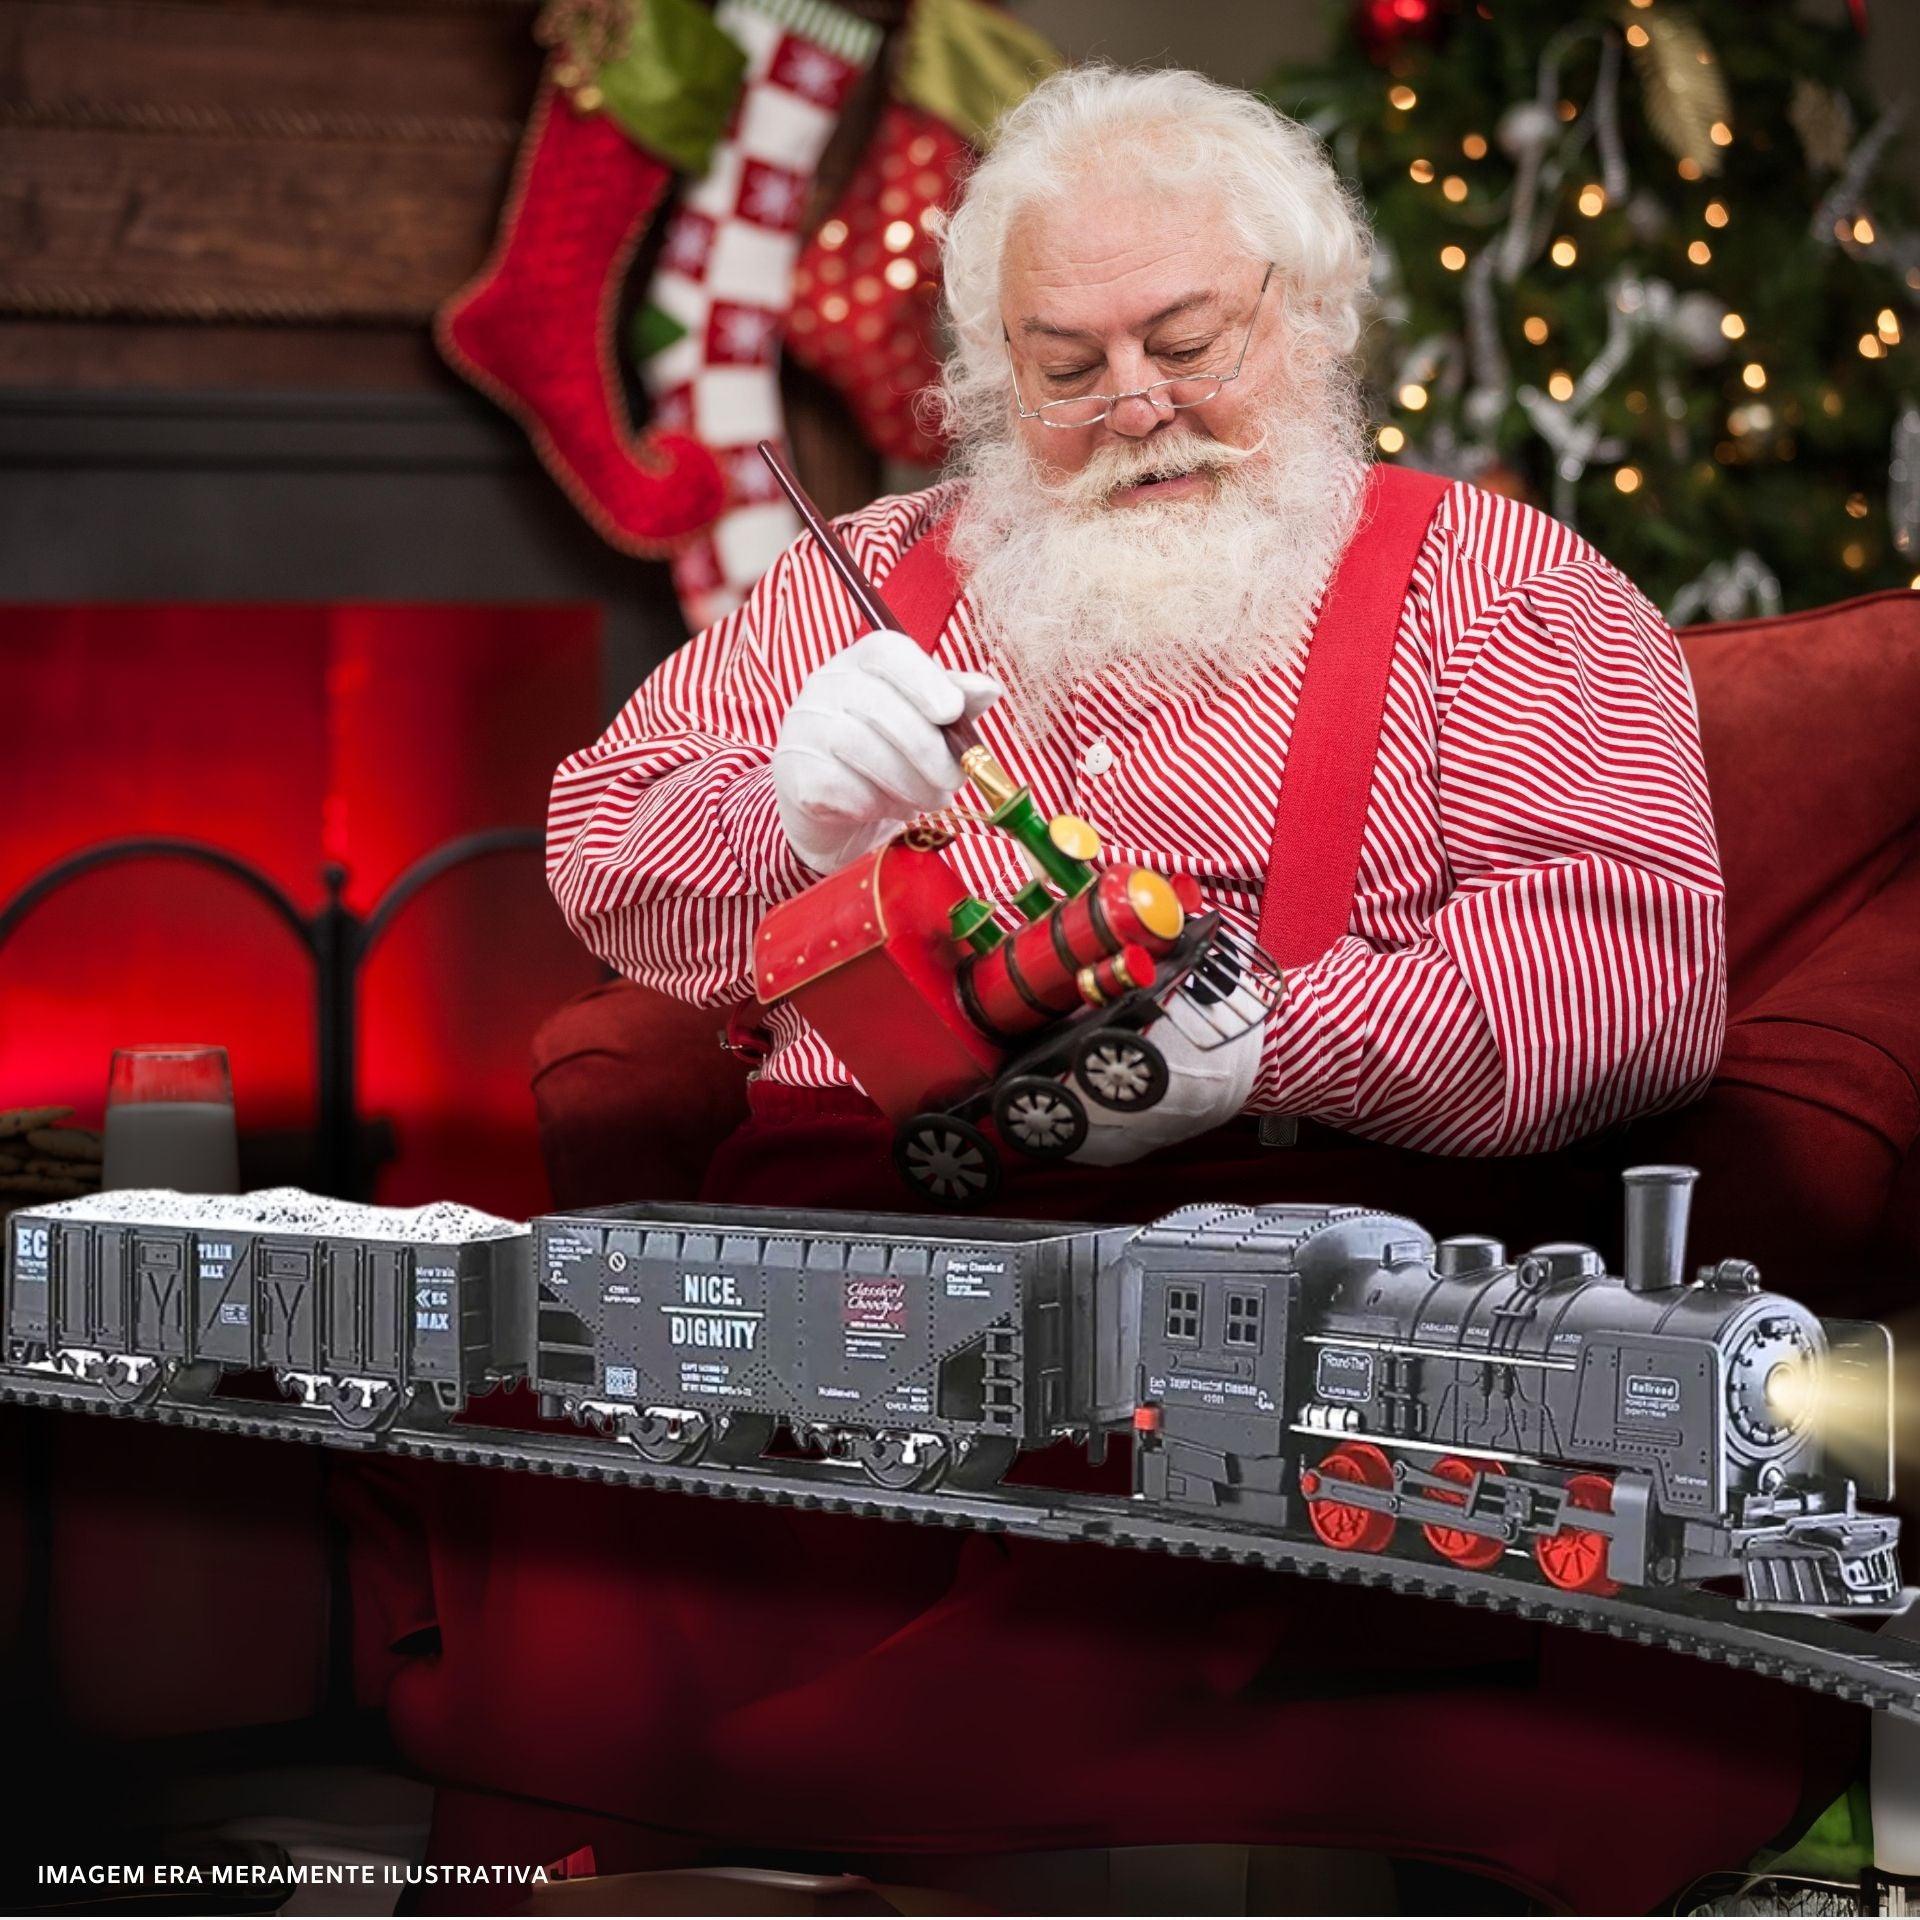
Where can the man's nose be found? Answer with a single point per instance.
(1137, 415)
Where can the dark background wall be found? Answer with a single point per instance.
(224, 228)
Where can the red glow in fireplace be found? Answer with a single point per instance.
(294, 737)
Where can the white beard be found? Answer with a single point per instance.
(1179, 597)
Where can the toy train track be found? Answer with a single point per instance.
(1819, 1654)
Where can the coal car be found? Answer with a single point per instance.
(357, 1309)
(879, 1340)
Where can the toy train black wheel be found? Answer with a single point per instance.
(193, 1380)
(1121, 1070)
(132, 1379)
(947, 1160)
(982, 1462)
(1040, 1116)
(903, 1462)
(740, 1438)
(365, 1406)
(667, 1438)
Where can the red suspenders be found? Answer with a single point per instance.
(1314, 861)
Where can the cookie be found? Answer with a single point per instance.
(43, 1186)
(18, 1120)
(66, 1143)
(63, 1170)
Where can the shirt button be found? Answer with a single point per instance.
(1097, 759)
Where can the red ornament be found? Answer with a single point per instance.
(1383, 27)
(867, 286)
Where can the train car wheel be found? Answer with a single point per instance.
(365, 1406)
(132, 1379)
(1121, 1071)
(1474, 1551)
(947, 1159)
(1575, 1558)
(1040, 1116)
(1351, 1529)
(194, 1380)
(667, 1439)
(903, 1462)
(742, 1438)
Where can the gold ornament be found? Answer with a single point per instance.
(585, 36)
(1686, 93)
(966, 64)
(1823, 118)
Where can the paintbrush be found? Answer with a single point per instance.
(866, 596)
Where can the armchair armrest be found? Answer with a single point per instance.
(633, 1095)
(1813, 1116)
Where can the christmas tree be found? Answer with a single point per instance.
(1647, 265)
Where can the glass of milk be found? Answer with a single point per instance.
(170, 1121)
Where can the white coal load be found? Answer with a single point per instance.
(287, 1210)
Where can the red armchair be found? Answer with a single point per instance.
(621, 1716)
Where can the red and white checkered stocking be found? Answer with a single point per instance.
(726, 276)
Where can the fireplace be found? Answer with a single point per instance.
(311, 635)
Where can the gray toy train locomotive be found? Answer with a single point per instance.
(1291, 1369)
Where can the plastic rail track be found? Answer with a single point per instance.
(1823, 1655)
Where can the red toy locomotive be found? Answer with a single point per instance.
(950, 1020)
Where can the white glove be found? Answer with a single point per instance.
(861, 748)
(1206, 1087)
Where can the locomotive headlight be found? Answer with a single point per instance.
(1773, 1384)
(1790, 1391)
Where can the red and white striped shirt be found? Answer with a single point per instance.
(1537, 942)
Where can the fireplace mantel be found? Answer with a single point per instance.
(160, 496)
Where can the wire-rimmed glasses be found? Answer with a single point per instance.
(1089, 409)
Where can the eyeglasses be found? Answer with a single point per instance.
(1089, 409)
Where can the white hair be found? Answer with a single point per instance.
(1178, 133)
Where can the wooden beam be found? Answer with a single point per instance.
(100, 224)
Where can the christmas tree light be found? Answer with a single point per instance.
(1666, 292)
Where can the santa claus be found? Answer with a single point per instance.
(1166, 560)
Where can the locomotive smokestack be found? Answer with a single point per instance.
(1658, 1199)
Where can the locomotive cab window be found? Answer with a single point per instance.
(1183, 1313)
(1243, 1320)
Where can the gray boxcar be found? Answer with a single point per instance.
(883, 1340)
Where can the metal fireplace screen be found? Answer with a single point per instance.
(379, 1037)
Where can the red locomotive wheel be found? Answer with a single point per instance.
(1351, 1529)
(1575, 1558)
(1474, 1551)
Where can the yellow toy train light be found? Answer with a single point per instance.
(1153, 899)
(1074, 837)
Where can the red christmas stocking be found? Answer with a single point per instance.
(535, 331)
(868, 285)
